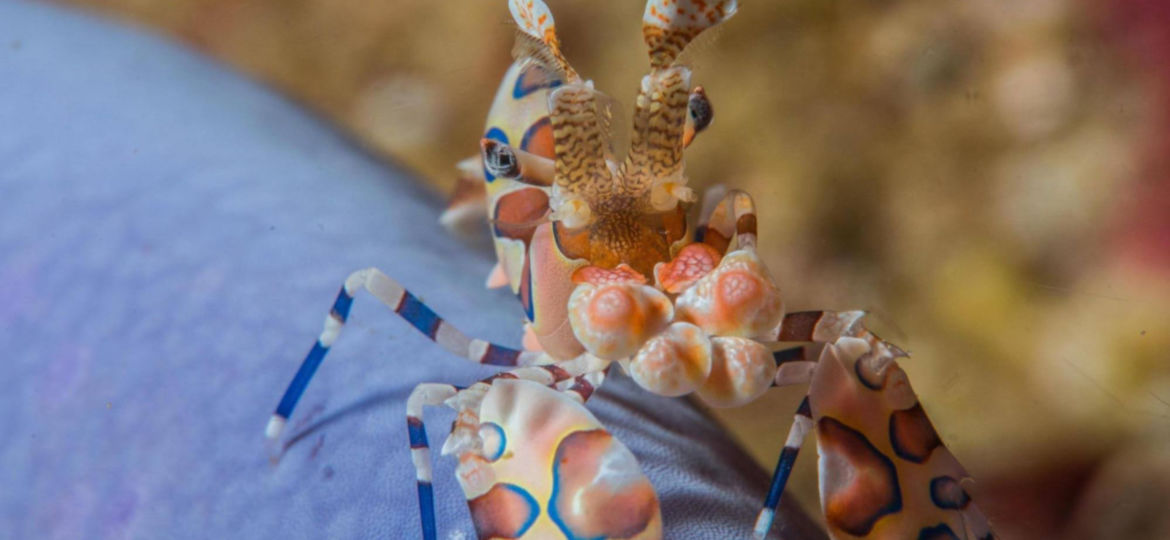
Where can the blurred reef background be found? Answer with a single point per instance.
(988, 178)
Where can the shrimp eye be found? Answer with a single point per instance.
(699, 107)
(499, 159)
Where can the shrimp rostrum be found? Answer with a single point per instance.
(598, 250)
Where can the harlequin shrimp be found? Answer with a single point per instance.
(598, 250)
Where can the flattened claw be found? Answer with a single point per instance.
(595, 489)
(882, 463)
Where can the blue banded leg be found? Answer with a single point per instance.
(793, 367)
(409, 307)
(801, 424)
(420, 452)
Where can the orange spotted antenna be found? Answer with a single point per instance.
(538, 35)
(669, 25)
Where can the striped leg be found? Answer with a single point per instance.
(712, 197)
(420, 452)
(407, 306)
(801, 425)
(827, 326)
(793, 366)
(582, 386)
(727, 214)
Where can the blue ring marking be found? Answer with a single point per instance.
(419, 315)
(500, 356)
(342, 304)
(301, 380)
(523, 87)
(552, 498)
(495, 134)
(426, 510)
(416, 432)
(503, 440)
(531, 132)
(533, 507)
